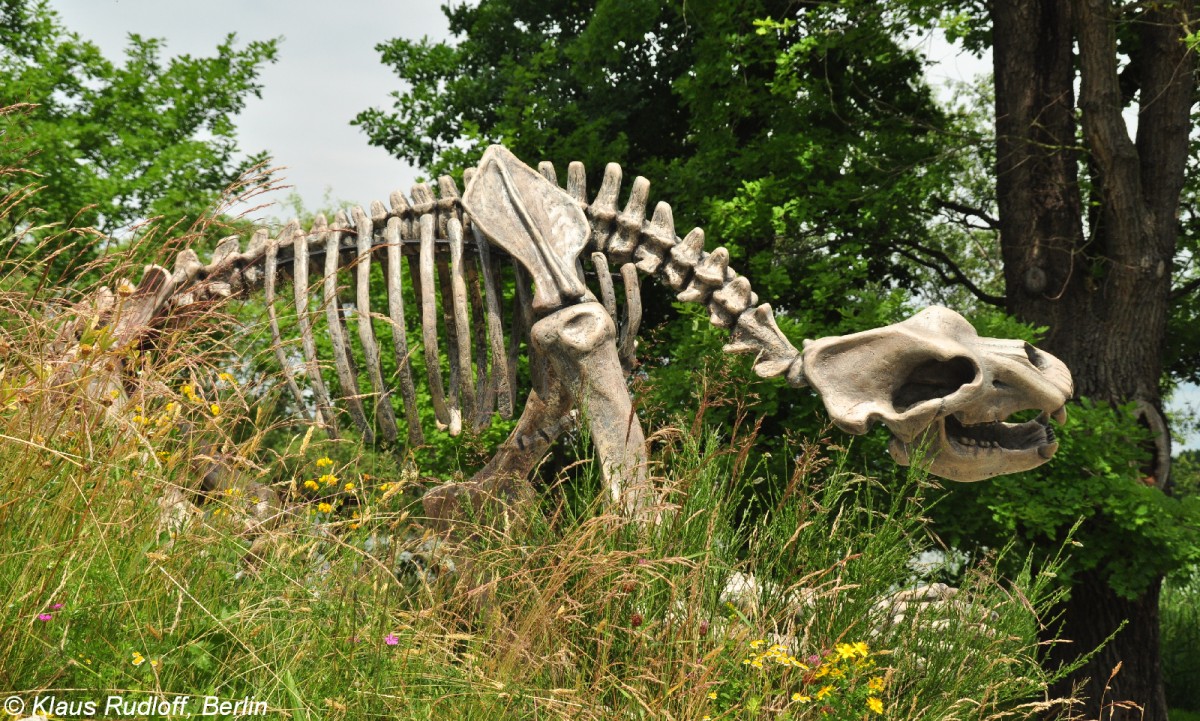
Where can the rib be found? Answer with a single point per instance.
(408, 391)
(607, 294)
(346, 375)
(429, 324)
(308, 344)
(452, 385)
(462, 324)
(384, 415)
(272, 265)
(485, 383)
(522, 325)
(505, 398)
(627, 346)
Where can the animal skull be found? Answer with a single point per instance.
(938, 386)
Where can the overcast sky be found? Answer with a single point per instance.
(328, 71)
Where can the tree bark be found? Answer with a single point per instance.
(1100, 283)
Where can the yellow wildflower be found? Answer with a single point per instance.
(875, 684)
(138, 659)
(825, 691)
(845, 650)
(324, 462)
(875, 704)
(757, 644)
(328, 479)
(386, 487)
(312, 485)
(216, 409)
(155, 663)
(712, 695)
(860, 648)
(801, 698)
(225, 377)
(324, 507)
(349, 486)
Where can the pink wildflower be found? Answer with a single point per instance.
(391, 639)
(44, 617)
(56, 606)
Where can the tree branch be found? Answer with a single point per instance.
(1123, 210)
(1184, 289)
(954, 274)
(992, 223)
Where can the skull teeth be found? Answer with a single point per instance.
(1004, 436)
(1047, 450)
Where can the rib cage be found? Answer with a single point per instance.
(447, 256)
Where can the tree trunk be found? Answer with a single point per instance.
(1101, 283)
(1089, 617)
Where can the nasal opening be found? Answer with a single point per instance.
(934, 379)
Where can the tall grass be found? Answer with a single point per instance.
(346, 609)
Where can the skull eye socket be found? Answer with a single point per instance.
(933, 379)
(1036, 358)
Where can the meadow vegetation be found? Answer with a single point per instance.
(349, 608)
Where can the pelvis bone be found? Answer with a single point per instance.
(944, 392)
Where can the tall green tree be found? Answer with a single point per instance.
(109, 143)
(726, 115)
(1092, 228)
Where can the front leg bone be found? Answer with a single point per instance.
(580, 342)
(503, 481)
